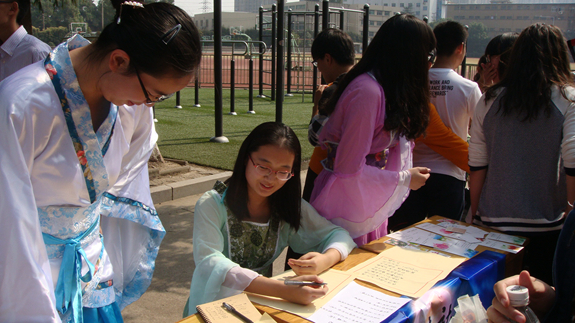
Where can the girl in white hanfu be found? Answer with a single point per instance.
(242, 226)
(78, 232)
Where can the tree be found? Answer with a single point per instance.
(477, 40)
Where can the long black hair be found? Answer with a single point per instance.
(538, 61)
(398, 58)
(501, 45)
(152, 38)
(286, 202)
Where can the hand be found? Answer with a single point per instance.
(418, 177)
(304, 294)
(309, 264)
(541, 297)
(488, 75)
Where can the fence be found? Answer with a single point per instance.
(301, 71)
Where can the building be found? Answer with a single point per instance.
(419, 8)
(237, 20)
(250, 5)
(505, 16)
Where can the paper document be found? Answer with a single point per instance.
(501, 246)
(358, 304)
(404, 271)
(505, 238)
(474, 231)
(439, 242)
(456, 247)
(443, 231)
(413, 235)
(335, 279)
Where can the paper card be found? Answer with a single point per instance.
(335, 279)
(404, 271)
(413, 235)
(444, 232)
(403, 244)
(414, 246)
(499, 245)
(506, 238)
(474, 231)
(456, 230)
(456, 247)
(358, 304)
(446, 222)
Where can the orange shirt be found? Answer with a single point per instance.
(444, 142)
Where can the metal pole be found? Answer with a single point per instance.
(261, 63)
(341, 17)
(325, 15)
(233, 84)
(251, 86)
(197, 91)
(289, 52)
(218, 101)
(280, 62)
(274, 46)
(178, 105)
(315, 32)
(365, 27)
(464, 62)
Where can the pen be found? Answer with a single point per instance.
(234, 311)
(302, 283)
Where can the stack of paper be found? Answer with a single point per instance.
(452, 237)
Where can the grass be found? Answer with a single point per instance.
(185, 133)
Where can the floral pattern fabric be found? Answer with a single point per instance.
(252, 245)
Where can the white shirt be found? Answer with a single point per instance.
(20, 50)
(454, 98)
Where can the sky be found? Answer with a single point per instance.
(193, 7)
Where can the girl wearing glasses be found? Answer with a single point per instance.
(379, 108)
(79, 231)
(242, 226)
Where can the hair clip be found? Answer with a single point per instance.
(170, 34)
(134, 4)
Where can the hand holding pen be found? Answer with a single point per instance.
(304, 289)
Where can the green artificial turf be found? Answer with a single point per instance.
(185, 133)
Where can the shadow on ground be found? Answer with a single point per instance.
(165, 298)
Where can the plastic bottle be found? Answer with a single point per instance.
(519, 299)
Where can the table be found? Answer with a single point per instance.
(513, 262)
(475, 276)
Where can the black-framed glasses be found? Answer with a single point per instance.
(431, 56)
(148, 100)
(266, 171)
(314, 63)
